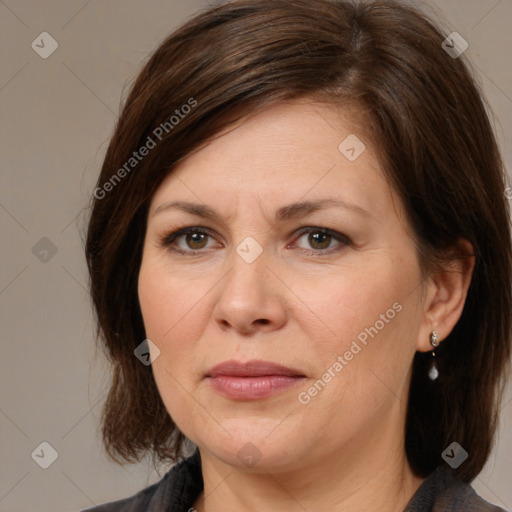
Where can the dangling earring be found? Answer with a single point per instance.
(433, 373)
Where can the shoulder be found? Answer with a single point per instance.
(176, 491)
(444, 490)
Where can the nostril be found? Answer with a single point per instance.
(263, 321)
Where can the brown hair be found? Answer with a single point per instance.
(426, 118)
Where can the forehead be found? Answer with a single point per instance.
(291, 128)
(294, 150)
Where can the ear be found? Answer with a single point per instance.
(445, 296)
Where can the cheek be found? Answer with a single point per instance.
(360, 304)
(167, 307)
(373, 319)
(172, 311)
(154, 295)
(168, 304)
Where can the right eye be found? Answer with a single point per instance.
(188, 241)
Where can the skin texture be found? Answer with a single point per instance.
(301, 304)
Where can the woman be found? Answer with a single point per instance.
(300, 261)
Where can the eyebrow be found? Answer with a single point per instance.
(291, 211)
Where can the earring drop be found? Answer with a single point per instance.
(433, 373)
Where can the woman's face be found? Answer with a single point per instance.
(297, 254)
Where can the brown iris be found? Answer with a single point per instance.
(321, 239)
(196, 238)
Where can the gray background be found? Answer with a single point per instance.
(57, 115)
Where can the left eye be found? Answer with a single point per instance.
(321, 239)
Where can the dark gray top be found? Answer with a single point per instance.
(441, 491)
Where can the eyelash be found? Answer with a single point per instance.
(168, 241)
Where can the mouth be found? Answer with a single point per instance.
(252, 380)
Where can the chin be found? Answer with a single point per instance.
(252, 444)
(255, 456)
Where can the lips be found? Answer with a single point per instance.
(252, 380)
(252, 369)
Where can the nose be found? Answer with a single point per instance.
(251, 298)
